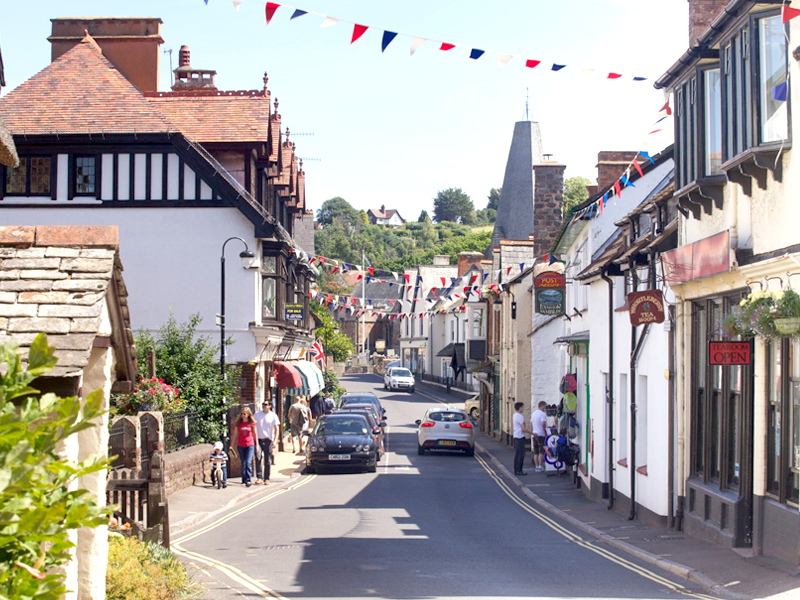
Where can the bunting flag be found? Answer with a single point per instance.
(475, 54)
(556, 67)
(408, 277)
(416, 43)
(445, 46)
(638, 168)
(626, 181)
(531, 64)
(271, 8)
(295, 14)
(788, 13)
(358, 31)
(328, 22)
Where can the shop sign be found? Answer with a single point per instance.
(293, 312)
(730, 353)
(646, 307)
(702, 258)
(551, 293)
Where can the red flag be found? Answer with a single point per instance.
(446, 46)
(638, 167)
(408, 277)
(358, 31)
(271, 8)
(666, 108)
(335, 269)
(359, 277)
(789, 13)
(532, 63)
(313, 258)
(472, 280)
(602, 204)
(616, 187)
(614, 76)
(433, 291)
(444, 281)
(508, 271)
(321, 260)
(371, 271)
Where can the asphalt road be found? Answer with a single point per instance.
(433, 526)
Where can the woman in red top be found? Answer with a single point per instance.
(244, 437)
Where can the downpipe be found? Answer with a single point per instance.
(637, 350)
(610, 391)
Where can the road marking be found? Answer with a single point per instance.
(604, 553)
(236, 575)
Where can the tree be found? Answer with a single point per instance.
(453, 205)
(337, 345)
(494, 198)
(39, 500)
(423, 216)
(338, 210)
(575, 192)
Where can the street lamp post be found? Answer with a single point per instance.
(248, 262)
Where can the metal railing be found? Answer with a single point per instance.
(457, 384)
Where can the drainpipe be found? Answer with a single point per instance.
(637, 351)
(610, 392)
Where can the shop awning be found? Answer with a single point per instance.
(299, 377)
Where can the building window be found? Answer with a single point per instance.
(712, 122)
(783, 421)
(85, 175)
(31, 178)
(269, 287)
(773, 85)
(477, 324)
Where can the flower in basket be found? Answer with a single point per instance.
(152, 394)
(787, 312)
(753, 316)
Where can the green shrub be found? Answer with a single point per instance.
(144, 571)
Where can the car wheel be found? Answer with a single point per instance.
(420, 450)
(411, 391)
(373, 468)
(384, 385)
(474, 413)
(470, 452)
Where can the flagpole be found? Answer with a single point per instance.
(363, 305)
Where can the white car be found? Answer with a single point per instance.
(445, 428)
(398, 378)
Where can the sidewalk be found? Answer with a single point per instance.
(192, 505)
(711, 566)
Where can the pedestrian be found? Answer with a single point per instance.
(317, 406)
(244, 439)
(330, 405)
(219, 454)
(520, 429)
(267, 429)
(538, 436)
(298, 422)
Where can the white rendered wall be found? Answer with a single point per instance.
(171, 258)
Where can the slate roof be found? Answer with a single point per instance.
(217, 116)
(80, 92)
(57, 280)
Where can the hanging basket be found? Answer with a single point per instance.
(787, 325)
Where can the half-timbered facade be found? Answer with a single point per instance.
(179, 172)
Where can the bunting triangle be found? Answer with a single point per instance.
(358, 31)
(271, 8)
(388, 38)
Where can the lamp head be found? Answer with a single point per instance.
(248, 259)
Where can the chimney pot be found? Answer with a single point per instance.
(184, 57)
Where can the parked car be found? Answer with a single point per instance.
(369, 411)
(445, 428)
(342, 440)
(472, 406)
(362, 398)
(399, 378)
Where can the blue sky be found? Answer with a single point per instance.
(393, 129)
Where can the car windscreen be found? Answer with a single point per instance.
(359, 400)
(355, 425)
(401, 373)
(369, 407)
(447, 417)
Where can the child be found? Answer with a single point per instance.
(218, 454)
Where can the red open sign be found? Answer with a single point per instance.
(730, 353)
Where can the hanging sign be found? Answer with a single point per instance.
(551, 293)
(730, 353)
(646, 307)
(293, 312)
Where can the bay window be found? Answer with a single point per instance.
(269, 287)
(773, 86)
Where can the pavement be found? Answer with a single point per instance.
(718, 569)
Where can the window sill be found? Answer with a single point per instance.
(701, 195)
(755, 164)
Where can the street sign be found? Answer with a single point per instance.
(646, 307)
(730, 353)
(293, 312)
(551, 293)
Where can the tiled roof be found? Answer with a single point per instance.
(57, 280)
(220, 117)
(80, 92)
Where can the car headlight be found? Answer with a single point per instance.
(314, 449)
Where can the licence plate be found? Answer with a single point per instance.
(447, 442)
(338, 457)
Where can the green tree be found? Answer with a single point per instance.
(423, 216)
(39, 504)
(575, 192)
(190, 362)
(453, 205)
(338, 210)
(494, 198)
(336, 344)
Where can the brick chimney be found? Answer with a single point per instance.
(610, 165)
(701, 14)
(130, 43)
(548, 198)
(467, 260)
(189, 78)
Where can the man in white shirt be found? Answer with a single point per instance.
(519, 430)
(267, 429)
(539, 433)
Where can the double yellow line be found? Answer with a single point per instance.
(591, 546)
(234, 574)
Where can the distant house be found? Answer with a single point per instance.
(385, 217)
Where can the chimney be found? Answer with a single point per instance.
(130, 43)
(467, 260)
(701, 14)
(188, 78)
(184, 57)
(441, 260)
(610, 165)
(383, 208)
(548, 199)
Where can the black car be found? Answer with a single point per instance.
(362, 398)
(342, 440)
(369, 411)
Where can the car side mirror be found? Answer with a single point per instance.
(418, 421)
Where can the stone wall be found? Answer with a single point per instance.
(187, 467)
(548, 195)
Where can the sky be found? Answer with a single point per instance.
(394, 129)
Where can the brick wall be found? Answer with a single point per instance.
(247, 383)
(548, 197)
(187, 467)
(610, 165)
(467, 260)
(701, 14)
(780, 535)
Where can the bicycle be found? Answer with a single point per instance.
(216, 472)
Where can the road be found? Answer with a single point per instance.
(433, 526)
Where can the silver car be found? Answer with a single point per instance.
(399, 378)
(445, 428)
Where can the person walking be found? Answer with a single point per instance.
(317, 406)
(244, 439)
(267, 429)
(298, 422)
(538, 436)
(330, 405)
(519, 430)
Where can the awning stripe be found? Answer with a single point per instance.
(310, 378)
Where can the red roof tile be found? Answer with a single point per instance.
(80, 92)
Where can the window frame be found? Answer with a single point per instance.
(789, 353)
(73, 175)
(50, 193)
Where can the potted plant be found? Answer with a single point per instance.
(752, 317)
(787, 312)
